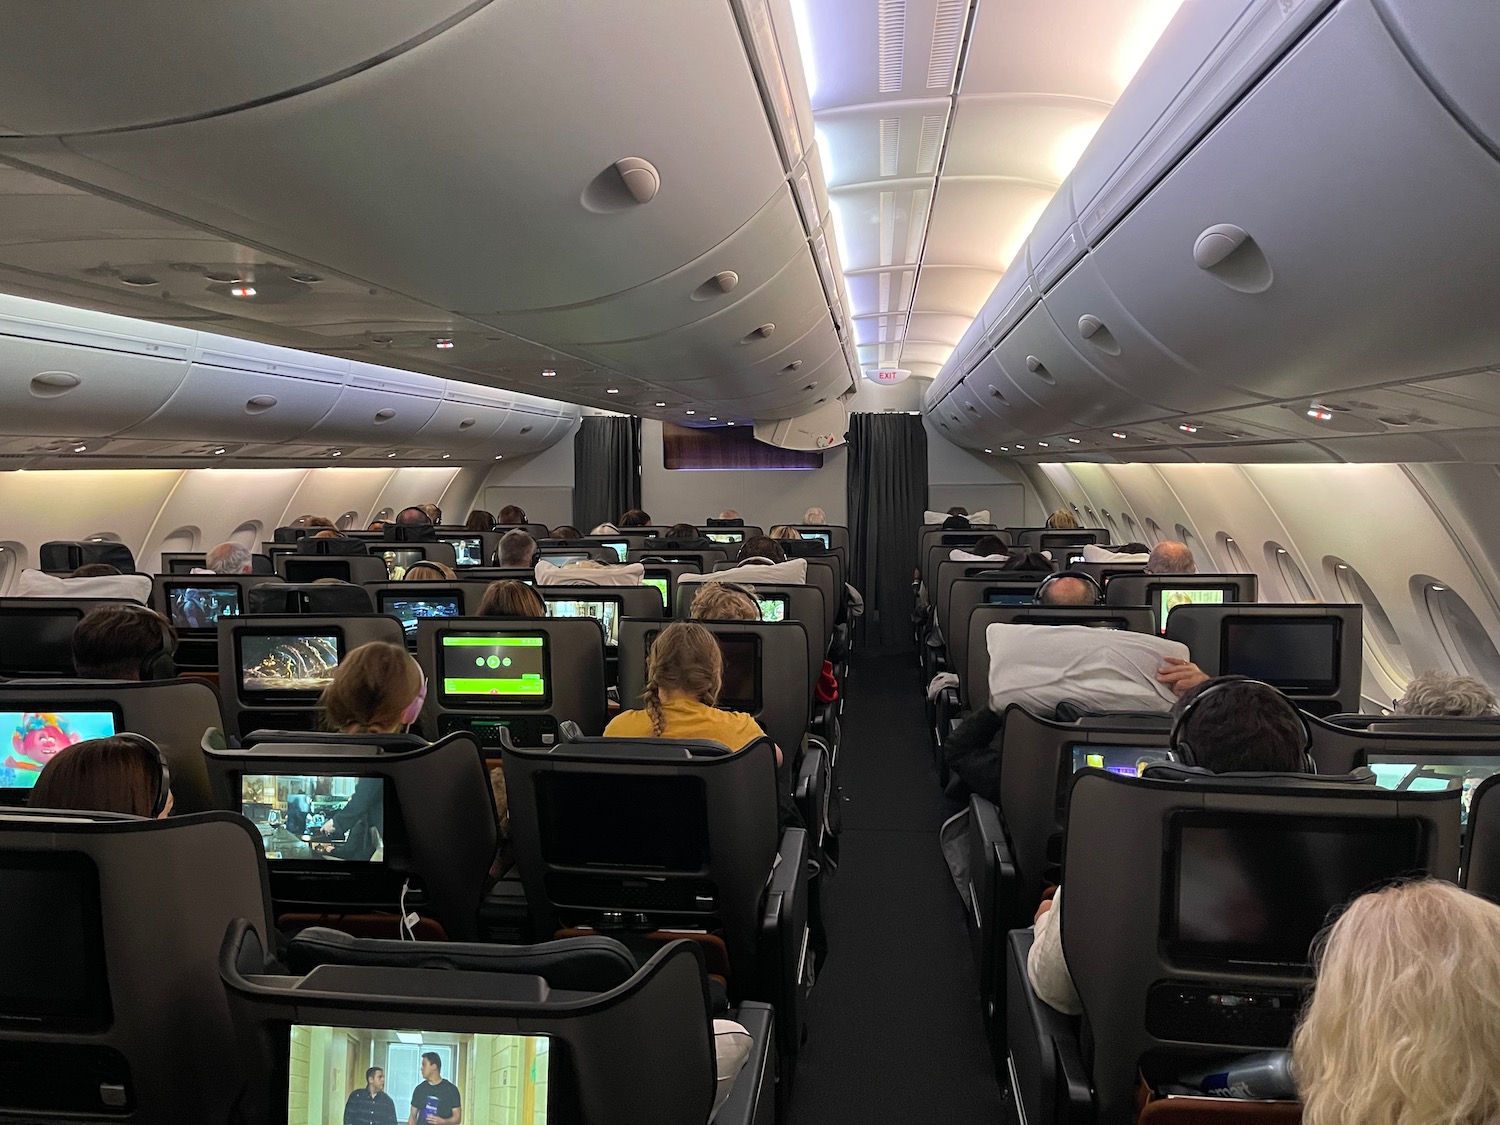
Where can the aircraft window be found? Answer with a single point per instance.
(1384, 643)
(1109, 522)
(102, 537)
(1296, 585)
(183, 539)
(1231, 549)
(1153, 529)
(1464, 640)
(248, 534)
(383, 514)
(1131, 534)
(346, 521)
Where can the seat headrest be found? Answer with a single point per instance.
(1178, 771)
(625, 574)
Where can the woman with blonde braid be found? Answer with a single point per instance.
(684, 674)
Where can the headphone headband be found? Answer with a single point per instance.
(1058, 576)
(164, 779)
(1183, 751)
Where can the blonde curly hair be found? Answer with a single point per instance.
(1404, 1026)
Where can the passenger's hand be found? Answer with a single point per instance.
(1180, 675)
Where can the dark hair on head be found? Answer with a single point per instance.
(565, 531)
(761, 547)
(374, 1070)
(327, 533)
(371, 688)
(510, 514)
(434, 1058)
(479, 520)
(635, 518)
(1029, 561)
(988, 545)
(1131, 549)
(94, 570)
(1245, 726)
(510, 597)
(113, 641)
(958, 510)
(119, 774)
(956, 523)
(682, 531)
(412, 517)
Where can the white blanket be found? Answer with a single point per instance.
(958, 554)
(793, 572)
(625, 574)
(39, 584)
(940, 517)
(1093, 553)
(1101, 669)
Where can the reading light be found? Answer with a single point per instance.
(220, 451)
(1320, 413)
(1005, 449)
(336, 453)
(80, 448)
(443, 345)
(661, 404)
(611, 390)
(1044, 445)
(1343, 566)
(690, 412)
(1020, 447)
(1074, 441)
(498, 456)
(549, 374)
(1188, 428)
(731, 423)
(713, 418)
(1438, 589)
(446, 456)
(390, 455)
(242, 291)
(989, 451)
(1119, 435)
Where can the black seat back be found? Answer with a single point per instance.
(326, 598)
(36, 634)
(355, 569)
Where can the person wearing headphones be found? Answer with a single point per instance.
(124, 642)
(1226, 725)
(1069, 587)
(124, 773)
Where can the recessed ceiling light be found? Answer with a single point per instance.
(499, 457)
(446, 456)
(336, 453)
(612, 390)
(305, 278)
(1044, 445)
(731, 423)
(713, 417)
(1119, 435)
(220, 451)
(80, 448)
(242, 291)
(1439, 589)
(1343, 566)
(1188, 428)
(690, 412)
(549, 374)
(390, 455)
(1074, 441)
(1020, 447)
(1319, 413)
(989, 451)
(139, 280)
(443, 345)
(661, 404)
(1005, 449)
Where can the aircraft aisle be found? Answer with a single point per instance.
(894, 1029)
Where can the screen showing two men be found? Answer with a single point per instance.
(1439, 771)
(411, 610)
(200, 607)
(468, 551)
(34, 738)
(288, 663)
(1255, 889)
(316, 817)
(369, 1074)
(493, 667)
(606, 611)
(1293, 654)
(1169, 599)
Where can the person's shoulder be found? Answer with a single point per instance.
(746, 725)
(628, 723)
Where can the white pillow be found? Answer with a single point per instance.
(39, 584)
(940, 517)
(1102, 669)
(732, 1044)
(625, 574)
(1093, 553)
(793, 572)
(958, 554)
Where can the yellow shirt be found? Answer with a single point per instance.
(687, 718)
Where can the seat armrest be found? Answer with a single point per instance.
(809, 791)
(753, 1099)
(1048, 1078)
(785, 959)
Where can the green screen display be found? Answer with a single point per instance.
(495, 666)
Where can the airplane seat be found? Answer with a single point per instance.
(193, 603)
(1481, 866)
(171, 713)
(488, 675)
(329, 598)
(273, 667)
(353, 569)
(36, 634)
(1153, 946)
(410, 601)
(406, 829)
(568, 1054)
(801, 603)
(311, 545)
(611, 836)
(63, 556)
(112, 1008)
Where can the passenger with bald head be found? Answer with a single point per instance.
(1171, 557)
(1068, 589)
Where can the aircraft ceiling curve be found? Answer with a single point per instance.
(611, 204)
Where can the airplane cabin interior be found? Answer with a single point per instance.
(586, 563)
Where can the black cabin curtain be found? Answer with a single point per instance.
(606, 470)
(887, 475)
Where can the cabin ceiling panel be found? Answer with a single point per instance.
(959, 290)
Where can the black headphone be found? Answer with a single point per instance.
(164, 781)
(158, 663)
(738, 589)
(1183, 751)
(1060, 575)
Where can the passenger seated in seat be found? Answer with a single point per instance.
(1242, 726)
(635, 518)
(94, 570)
(566, 531)
(1028, 561)
(1171, 557)
(511, 598)
(782, 531)
(124, 642)
(683, 531)
(815, 515)
(517, 549)
(228, 558)
(1443, 695)
(761, 547)
(684, 675)
(429, 571)
(511, 516)
(1068, 590)
(121, 774)
(1062, 520)
(724, 601)
(1405, 1018)
(479, 520)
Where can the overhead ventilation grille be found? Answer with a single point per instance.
(890, 145)
(929, 143)
(892, 44)
(947, 33)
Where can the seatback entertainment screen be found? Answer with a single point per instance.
(34, 738)
(493, 668)
(288, 663)
(606, 611)
(200, 607)
(316, 817)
